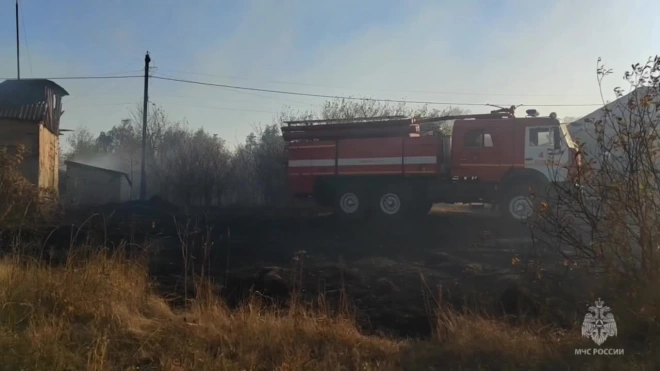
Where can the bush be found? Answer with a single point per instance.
(21, 202)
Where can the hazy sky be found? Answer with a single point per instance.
(516, 52)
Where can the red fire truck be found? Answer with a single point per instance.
(386, 167)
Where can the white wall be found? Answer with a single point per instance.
(584, 130)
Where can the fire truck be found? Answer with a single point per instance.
(386, 167)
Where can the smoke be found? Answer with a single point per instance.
(102, 160)
(113, 162)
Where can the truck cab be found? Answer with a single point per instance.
(499, 160)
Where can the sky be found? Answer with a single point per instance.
(529, 52)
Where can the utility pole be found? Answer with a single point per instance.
(18, 46)
(143, 175)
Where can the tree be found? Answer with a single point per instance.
(348, 109)
(82, 143)
(124, 142)
(258, 168)
(104, 142)
(197, 165)
(243, 181)
(270, 164)
(158, 123)
(444, 127)
(609, 223)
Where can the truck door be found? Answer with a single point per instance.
(478, 156)
(539, 148)
(471, 154)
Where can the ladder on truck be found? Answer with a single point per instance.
(361, 127)
(371, 127)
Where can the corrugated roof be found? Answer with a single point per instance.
(31, 112)
(73, 163)
(27, 92)
(30, 99)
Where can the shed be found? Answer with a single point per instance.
(88, 185)
(30, 112)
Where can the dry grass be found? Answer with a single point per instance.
(98, 313)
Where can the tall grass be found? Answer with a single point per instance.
(98, 312)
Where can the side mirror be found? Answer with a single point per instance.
(556, 138)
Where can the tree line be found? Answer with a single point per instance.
(192, 166)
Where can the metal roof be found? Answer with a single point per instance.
(73, 163)
(26, 92)
(28, 99)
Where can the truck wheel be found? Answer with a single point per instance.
(520, 202)
(350, 203)
(391, 202)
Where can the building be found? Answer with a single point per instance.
(30, 112)
(87, 185)
(623, 109)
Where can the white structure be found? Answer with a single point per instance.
(615, 115)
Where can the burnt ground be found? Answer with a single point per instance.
(392, 274)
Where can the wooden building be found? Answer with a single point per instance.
(30, 112)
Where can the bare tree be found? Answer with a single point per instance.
(605, 218)
(197, 164)
(158, 123)
(82, 142)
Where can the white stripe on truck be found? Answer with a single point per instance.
(311, 163)
(408, 160)
(419, 160)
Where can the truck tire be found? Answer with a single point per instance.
(391, 202)
(521, 201)
(350, 202)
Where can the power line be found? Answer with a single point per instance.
(196, 99)
(78, 77)
(380, 90)
(235, 87)
(85, 94)
(222, 108)
(261, 96)
(354, 98)
(101, 105)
